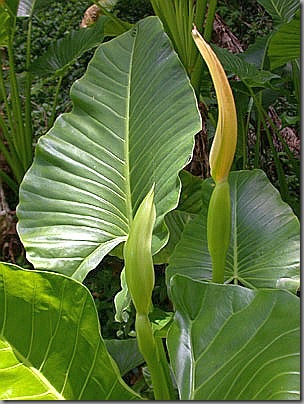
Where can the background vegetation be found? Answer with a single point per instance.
(246, 20)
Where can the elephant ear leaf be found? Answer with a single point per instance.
(93, 168)
(264, 246)
(234, 343)
(50, 342)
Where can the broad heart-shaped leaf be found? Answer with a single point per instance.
(66, 50)
(232, 343)
(265, 236)
(133, 124)
(50, 343)
(285, 43)
(280, 10)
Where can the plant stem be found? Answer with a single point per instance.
(9, 150)
(55, 102)
(16, 108)
(11, 183)
(258, 137)
(281, 177)
(28, 109)
(209, 20)
(4, 96)
(154, 355)
(9, 153)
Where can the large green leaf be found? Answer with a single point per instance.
(285, 43)
(232, 343)
(265, 236)
(133, 124)
(189, 206)
(50, 343)
(281, 10)
(66, 50)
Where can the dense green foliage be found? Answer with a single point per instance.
(107, 189)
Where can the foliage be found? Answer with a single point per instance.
(133, 11)
(246, 19)
(16, 87)
(263, 83)
(91, 175)
(58, 353)
(178, 18)
(108, 167)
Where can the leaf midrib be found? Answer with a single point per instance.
(129, 209)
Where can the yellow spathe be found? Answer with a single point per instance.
(224, 143)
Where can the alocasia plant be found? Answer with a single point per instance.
(102, 170)
(16, 145)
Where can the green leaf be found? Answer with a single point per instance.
(175, 221)
(160, 321)
(94, 167)
(285, 43)
(122, 300)
(232, 343)
(8, 11)
(189, 205)
(247, 72)
(11, 6)
(66, 50)
(256, 52)
(50, 343)
(265, 236)
(280, 10)
(27, 8)
(114, 26)
(125, 352)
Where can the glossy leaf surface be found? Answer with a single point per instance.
(50, 343)
(94, 167)
(265, 236)
(232, 343)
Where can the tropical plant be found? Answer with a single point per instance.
(261, 82)
(16, 142)
(106, 176)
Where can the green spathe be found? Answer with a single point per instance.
(138, 258)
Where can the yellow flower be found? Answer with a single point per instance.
(224, 143)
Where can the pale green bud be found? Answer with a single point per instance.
(137, 254)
